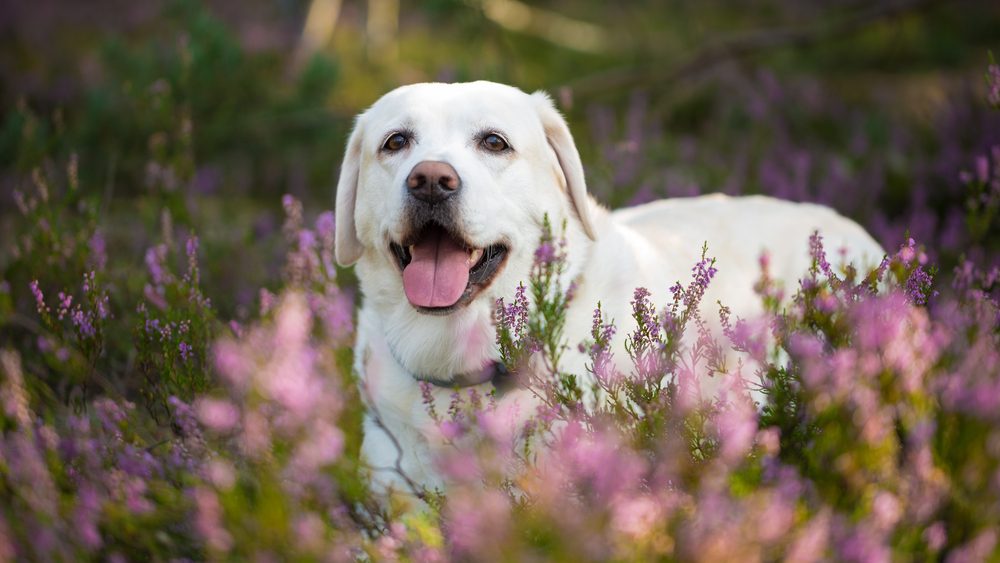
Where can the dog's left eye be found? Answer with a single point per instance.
(395, 142)
(494, 143)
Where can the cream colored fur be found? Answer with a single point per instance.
(505, 198)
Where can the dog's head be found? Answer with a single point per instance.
(441, 201)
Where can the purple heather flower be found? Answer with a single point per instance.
(918, 286)
(818, 255)
(87, 515)
(98, 250)
(993, 82)
(645, 314)
(191, 248)
(183, 416)
(514, 317)
(65, 302)
(155, 258)
(703, 272)
(545, 254)
(185, 350)
(325, 225)
(39, 297)
(307, 240)
(83, 323)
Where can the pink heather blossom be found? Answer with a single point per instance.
(811, 543)
(775, 520)
(478, 523)
(737, 426)
(232, 363)
(13, 395)
(769, 439)
(323, 445)
(636, 517)
(461, 466)
(217, 414)
(255, 438)
(221, 473)
(208, 521)
(886, 510)
(935, 535)
(976, 549)
(267, 301)
(309, 532)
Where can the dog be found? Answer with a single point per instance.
(441, 201)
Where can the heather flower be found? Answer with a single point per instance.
(98, 250)
(515, 316)
(65, 302)
(40, 305)
(185, 350)
(993, 84)
(636, 517)
(208, 521)
(918, 286)
(184, 416)
(737, 427)
(155, 259)
(935, 535)
(545, 253)
(601, 356)
(191, 250)
(86, 515)
(13, 395)
(645, 316)
(325, 225)
(477, 524)
(83, 322)
(818, 255)
(267, 301)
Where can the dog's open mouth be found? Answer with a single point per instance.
(441, 272)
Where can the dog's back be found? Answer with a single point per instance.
(738, 230)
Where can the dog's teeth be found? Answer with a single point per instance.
(410, 249)
(475, 255)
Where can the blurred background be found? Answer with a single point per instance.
(196, 117)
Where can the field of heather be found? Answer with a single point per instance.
(176, 338)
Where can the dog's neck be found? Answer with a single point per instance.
(494, 372)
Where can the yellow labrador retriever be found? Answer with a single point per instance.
(440, 204)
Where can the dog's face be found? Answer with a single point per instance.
(441, 201)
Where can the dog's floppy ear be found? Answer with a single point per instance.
(559, 138)
(347, 246)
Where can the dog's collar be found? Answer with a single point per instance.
(494, 372)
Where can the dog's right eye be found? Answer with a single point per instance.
(396, 142)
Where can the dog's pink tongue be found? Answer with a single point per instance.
(438, 272)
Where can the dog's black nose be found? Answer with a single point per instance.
(433, 182)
